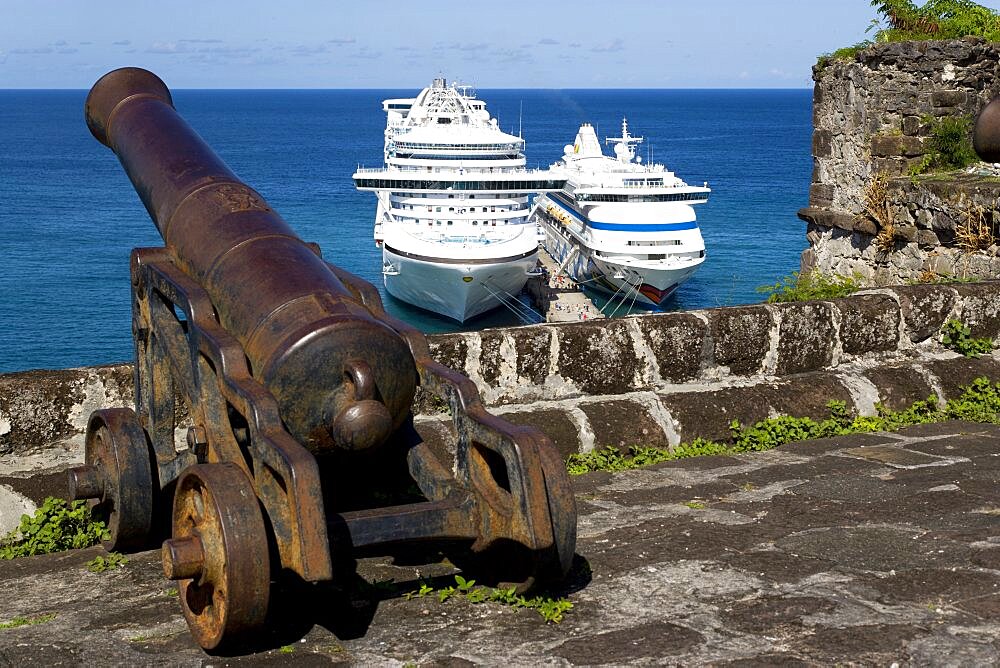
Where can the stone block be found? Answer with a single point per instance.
(924, 308)
(865, 225)
(449, 349)
(807, 261)
(948, 98)
(957, 373)
(599, 356)
(907, 233)
(622, 423)
(892, 167)
(827, 218)
(821, 194)
(42, 408)
(927, 239)
(822, 143)
(911, 125)
(805, 337)
(899, 386)
(741, 338)
(534, 351)
(491, 356)
(979, 305)
(676, 340)
(554, 423)
(807, 395)
(885, 146)
(707, 414)
(868, 324)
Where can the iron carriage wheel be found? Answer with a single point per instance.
(219, 554)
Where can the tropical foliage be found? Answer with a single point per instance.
(936, 19)
(903, 20)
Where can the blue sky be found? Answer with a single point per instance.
(389, 44)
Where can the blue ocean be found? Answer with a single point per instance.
(69, 216)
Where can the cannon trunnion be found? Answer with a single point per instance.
(299, 388)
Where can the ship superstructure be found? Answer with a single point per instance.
(622, 227)
(453, 204)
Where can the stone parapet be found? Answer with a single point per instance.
(872, 115)
(653, 378)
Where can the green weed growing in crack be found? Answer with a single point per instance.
(17, 622)
(109, 563)
(958, 336)
(550, 609)
(979, 402)
(55, 526)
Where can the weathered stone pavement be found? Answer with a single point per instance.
(869, 549)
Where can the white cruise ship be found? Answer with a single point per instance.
(452, 216)
(622, 227)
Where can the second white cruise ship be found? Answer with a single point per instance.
(452, 215)
(622, 227)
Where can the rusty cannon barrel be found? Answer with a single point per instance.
(986, 135)
(341, 377)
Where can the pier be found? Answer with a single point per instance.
(558, 297)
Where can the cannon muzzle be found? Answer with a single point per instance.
(342, 377)
(986, 136)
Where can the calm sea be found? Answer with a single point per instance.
(69, 217)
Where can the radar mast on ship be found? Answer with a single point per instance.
(624, 150)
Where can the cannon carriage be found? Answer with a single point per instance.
(298, 385)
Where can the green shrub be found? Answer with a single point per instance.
(811, 285)
(57, 525)
(936, 19)
(902, 20)
(957, 336)
(950, 145)
(550, 609)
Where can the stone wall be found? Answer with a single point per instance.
(655, 379)
(873, 115)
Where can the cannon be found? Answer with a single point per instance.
(299, 390)
(986, 133)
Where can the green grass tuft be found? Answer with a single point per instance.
(799, 287)
(17, 622)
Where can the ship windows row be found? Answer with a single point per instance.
(468, 156)
(413, 184)
(475, 223)
(663, 197)
(471, 209)
(462, 196)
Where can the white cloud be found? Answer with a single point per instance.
(617, 44)
(166, 47)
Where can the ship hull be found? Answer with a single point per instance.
(452, 289)
(636, 285)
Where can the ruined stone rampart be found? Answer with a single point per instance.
(655, 379)
(873, 115)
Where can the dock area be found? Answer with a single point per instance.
(558, 297)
